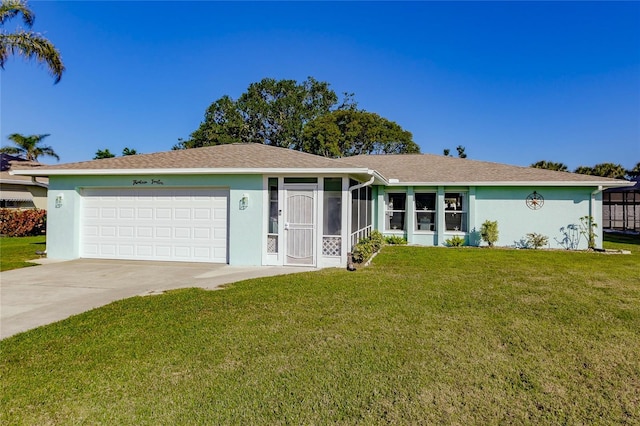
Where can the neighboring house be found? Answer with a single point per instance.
(253, 204)
(621, 208)
(21, 192)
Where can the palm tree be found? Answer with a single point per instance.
(27, 43)
(29, 147)
(550, 165)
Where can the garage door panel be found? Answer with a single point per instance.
(178, 224)
(126, 231)
(182, 214)
(126, 213)
(108, 213)
(144, 213)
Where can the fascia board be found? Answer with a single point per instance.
(23, 182)
(606, 184)
(200, 171)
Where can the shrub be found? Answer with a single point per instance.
(536, 240)
(22, 223)
(489, 232)
(455, 241)
(395, 240)
(377, 240)
(367, 246)
(587, 228)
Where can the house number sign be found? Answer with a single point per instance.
(535, 201)
(135, 182)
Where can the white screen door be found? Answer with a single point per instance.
(299, 225)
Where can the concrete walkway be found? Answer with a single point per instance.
(39, 295)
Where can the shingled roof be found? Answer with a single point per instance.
(228, 156)
(424, 169)
(437, 169)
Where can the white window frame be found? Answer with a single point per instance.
(463, 209)
(433, 224)
(388, 212)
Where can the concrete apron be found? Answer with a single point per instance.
(40, 295)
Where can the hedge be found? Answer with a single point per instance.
(22, 223)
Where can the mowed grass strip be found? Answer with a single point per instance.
(15, 251)
(424, 335)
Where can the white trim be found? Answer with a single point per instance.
(390, 182)
(24, 182)
(185, 171)
(565, 183)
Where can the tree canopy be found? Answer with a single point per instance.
(461, 154)
(27, 43)
(105, 153)
(29, 147)
(609, 170)
(345, 133)
(272, 112)
(550, 165)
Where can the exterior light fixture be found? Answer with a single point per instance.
(244, 201)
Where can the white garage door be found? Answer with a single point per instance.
(187, 225)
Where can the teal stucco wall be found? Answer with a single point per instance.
(245, 225)
(563, 206)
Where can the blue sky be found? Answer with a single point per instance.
(513, 82)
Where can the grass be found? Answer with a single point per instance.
(424, 335)
(14, 251)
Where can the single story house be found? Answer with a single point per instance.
(253, 204)
(21, 192)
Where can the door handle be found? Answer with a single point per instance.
(286, 226)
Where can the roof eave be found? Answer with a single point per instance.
(604, 184)
(189, 171)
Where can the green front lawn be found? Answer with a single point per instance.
(15, 251)
(424, 335)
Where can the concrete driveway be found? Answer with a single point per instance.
(39, 295)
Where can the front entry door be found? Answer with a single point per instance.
(299, 225)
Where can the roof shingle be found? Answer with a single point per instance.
(437, 169)
(426, 169)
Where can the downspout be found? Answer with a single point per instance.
(362, 185)
(592, 201)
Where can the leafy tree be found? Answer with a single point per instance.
(609, 170)
(550, 165)
(635, 171)
(461, 153)
(584, 170)
(103, 153)
(272, 112)
(345, 133)
(129, 151)
(27, 43)
(29, 147)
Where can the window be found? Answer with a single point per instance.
(396, 207)
(425, 211)
(300, 180)
(332, 215)
(273, 205)
(455, 211)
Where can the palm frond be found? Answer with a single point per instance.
(11, 8)
(13, 150)
(32, 46)
(29, 147)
